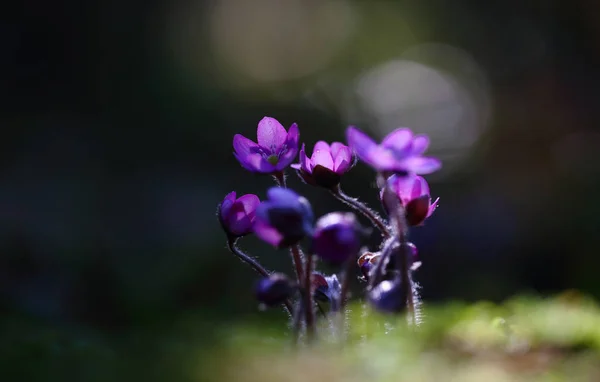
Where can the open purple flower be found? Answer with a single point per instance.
(413, 193)
(400, 151)
(276, 148)
(237, 214)
(337, 237)
(326, 165)
(284, 219)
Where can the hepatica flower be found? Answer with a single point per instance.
(413, 193)
(276, 148)
(237, 214)
(284, 218)
(326, 165)
(400, 151)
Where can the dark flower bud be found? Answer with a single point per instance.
(284, 219)
(412, 192)
(388, 297)
(237, 214)
(274, 290)
(326, 288)
(337, 237)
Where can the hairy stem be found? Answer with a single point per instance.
(280, 179)
(346, 283)
(400, 226)
(362, 208)
(297, 260)
(232, 245)
(308, 299)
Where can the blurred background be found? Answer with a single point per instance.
(117, 123)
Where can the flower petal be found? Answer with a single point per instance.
(321, 146)
(267, 233)
(433, 207)
(398, 140)
(293, 137)
(244, 146)
(342, 159)
(250, 202)
(271, 134)
(255, 163)
(238, 221)
(361, 143)
(419, 145)
(322, 157)
(291, 143)
(420, 188)
(335, 148)
(226, 205)
(421, 165)
(282, 196)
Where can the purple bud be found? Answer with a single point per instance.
(388, 297)
(412, 192)
(327, 288)
(237, 214)
(274, 290)
(326, 165)
(284, 219)
(337, 237)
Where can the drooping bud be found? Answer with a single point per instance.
(274, 290)
(412, 193)
(327, 288)
(337, 237)
(237, 214)
(388, 297)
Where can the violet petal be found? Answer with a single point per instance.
(421, 165)
(267, 233)
(270, 133)
(398, 140)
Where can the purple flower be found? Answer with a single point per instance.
(337, 237)
(413, 193)
(237, 215)
(326, 165)
(284, 219)
(388, 297)
(400, 151)
(274, 290)
(276, 148)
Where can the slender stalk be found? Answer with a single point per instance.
(280, 179)
(308, 299)
(346, 283)
(386, 252)
(400, 226)
(297, 321)
(232, 245)
(362, 208)
(297, 260)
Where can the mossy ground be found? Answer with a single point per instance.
(524, 339)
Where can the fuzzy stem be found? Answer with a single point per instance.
(362, 208)
(297, 260)
(308, 299)
(378, 271)
(280, 179)
(232, 245)
(346, 283)
(400, 225)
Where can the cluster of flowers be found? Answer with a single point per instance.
(285, 218)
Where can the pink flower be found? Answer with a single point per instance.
(326, 165)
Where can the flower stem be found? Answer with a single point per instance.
(280, 179)
(346, 283)
(297, 260)
(254, 264)
(400, 226)
(308, 299)
(379, 270)
(362, 208)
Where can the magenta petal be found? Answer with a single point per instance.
(270, 133)
(398, 140)
(342, 159)
(433, 207)
(403, 186)
(305, 164)
(323, 158)
(360, 142)
(250, 202)
(421, 187)
(420, 143)
(421, 165)
(226, 204)
(381, 159)
(256, 163)
(267, 233)
(321, 146)
(335, 148)
(244, 146)
(238, 222)
(293, 137)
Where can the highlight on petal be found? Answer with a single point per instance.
(323, 158)
(398, 140)
(267, 233)
(270, 133)
(321, 146)
(433, 207)
(421, 165)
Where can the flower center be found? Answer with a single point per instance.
(273, 159)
